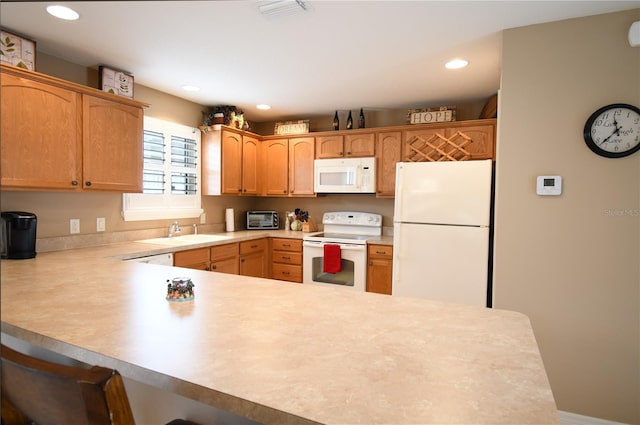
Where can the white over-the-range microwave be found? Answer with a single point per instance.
(345, 175)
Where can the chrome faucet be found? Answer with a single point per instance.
(174, 228)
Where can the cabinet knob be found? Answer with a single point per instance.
(286, 258)
(87, 184)
(286, 273)
(348, 153)
(284, 191)
(214, 267)
(74, 183)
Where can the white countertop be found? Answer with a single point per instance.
(280, 352)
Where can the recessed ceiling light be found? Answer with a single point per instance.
(263, 106)
(189, 87)
(63, 12)
(456, 64)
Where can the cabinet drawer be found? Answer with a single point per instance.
(284, 244)
(249, 247)
(287, 272)
(224, 251)
(381, 251)
(287, 257)
(192, 256)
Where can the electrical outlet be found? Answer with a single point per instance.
(203, 218)
(74, 225)
(100, 224)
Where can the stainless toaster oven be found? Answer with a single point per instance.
(262, 220)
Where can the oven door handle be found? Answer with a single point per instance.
(346, 247)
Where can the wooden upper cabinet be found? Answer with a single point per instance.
(41, 135)
(359, 145)
(330, 146)
(388, 153)
(301, 151)
(240, 160)
(250, 158)
(231, 163)
(112, 147)
(481, 139)
(58, 135)
(458, 141)
(288, 167)
(276, 167)
(345, 145)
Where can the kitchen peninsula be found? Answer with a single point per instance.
(279, 352)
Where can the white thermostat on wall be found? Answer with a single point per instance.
(549, 185)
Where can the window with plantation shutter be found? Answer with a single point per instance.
(171, 174)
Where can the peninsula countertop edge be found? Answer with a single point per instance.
(279, 352)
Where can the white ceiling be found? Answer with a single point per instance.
(339, 55)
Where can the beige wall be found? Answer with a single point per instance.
(571, 262)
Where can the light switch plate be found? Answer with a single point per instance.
(203, 218)
(100, 224)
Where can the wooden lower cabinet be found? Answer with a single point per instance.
(380, 268)
(225, 258)
(286, 259)
(193, 259)
(253, 258)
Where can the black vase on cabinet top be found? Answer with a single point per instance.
(361, 119)
(18, 235)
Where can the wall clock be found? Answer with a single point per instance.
(613, 131)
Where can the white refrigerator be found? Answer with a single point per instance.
(441, 230)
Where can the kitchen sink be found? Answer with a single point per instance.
(186, 239)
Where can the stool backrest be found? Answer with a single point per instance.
(53, 394)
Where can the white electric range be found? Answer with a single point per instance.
(349, 231)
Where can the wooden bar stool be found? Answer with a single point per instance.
(35, 390)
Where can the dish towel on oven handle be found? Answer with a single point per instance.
(332, 259)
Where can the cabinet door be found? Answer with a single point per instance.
(358, 145)
(231, 163)
(479, 140)
(41, 136)
(112, 145)
(329, 146)
(388, 153)
(380, 269)
(253, 265)
(301, 151)
(276, 170)
(253, 260)
(250, 155)
(225, 258)
(227, 265)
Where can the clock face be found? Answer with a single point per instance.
(613, 131)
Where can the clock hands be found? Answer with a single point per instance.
(615, 132)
